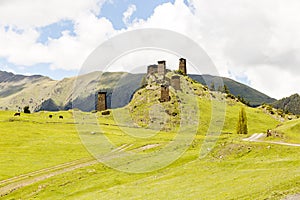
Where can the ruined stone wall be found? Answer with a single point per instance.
(101, 101)
(164, 96)
(175, 82)
(182, 65)
(152, 69)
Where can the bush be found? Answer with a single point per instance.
(231, 96)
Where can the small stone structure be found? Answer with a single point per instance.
(164, 95)
(161, 68)
(182, 65)
(152, 69)
(101, 101)
(175, 82)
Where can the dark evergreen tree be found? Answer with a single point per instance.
(242, 127)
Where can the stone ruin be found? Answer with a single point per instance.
(152, 69)
(101, 101)
(164, 93)
(175, 82)
(182, 65)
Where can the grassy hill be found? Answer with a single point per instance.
(254, 97)
(234, 169)
(289, 131)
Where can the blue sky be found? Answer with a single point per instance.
(114, 11)
(54, 31)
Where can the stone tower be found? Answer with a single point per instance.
(182, 65)
(161, 68)
(152, 69)
(175, 82)
(164, 95)
(101, 101)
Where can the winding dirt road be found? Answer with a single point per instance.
(256, 137)
(9, 185)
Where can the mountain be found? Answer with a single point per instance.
(289, 104)
(254, 97)
(43, 93)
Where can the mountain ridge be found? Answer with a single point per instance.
(43, 93)
(289, 104)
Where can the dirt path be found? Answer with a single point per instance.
(256, 137)
(292, 197)
(9, 185)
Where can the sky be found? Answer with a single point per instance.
(255, 42)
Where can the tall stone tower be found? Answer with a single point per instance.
(164, 94)
(161, 69)
(182, 65)
(101, 101)
(175, 82)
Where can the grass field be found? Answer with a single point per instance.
(233, 169)
(34, 141)
(289, 131)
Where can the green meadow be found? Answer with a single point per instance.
(229, 168)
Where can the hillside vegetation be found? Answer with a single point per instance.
(289, 104)
(234, 169)
(254, 97)
(217, 164)
(289, 131)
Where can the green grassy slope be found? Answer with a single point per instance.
(255, 97)
(34, 141)
(289, 131)
(234, 169)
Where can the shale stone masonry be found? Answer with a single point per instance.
(182, 65)
(164, 96)
(152, 69)
(175, 82)
(101, 101)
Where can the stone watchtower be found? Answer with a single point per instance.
(164, 94)
(101, 101)
(182, 65)
(175, 82)
(152, 69)
(161, 68)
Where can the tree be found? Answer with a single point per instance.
(242, 127)
(226, 90)
(26, 109)
(212, 86)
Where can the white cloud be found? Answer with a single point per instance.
(34, 13)
(256, 39)
(128, 13)
(241, 37)
(279, 82)
(67, 52)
